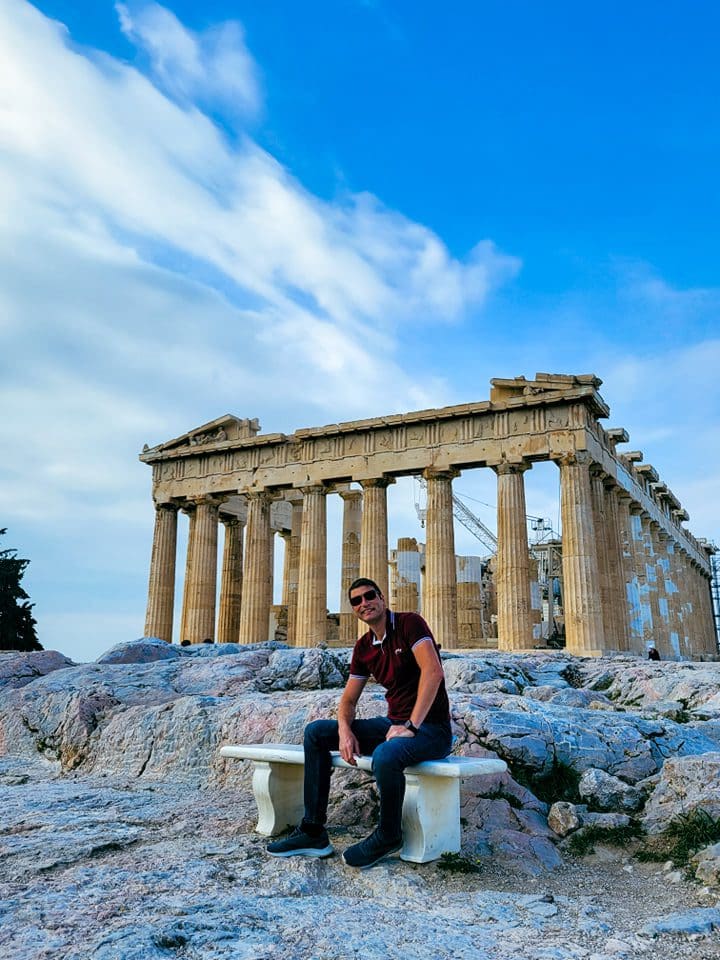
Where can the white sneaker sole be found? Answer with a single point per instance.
(306, 852)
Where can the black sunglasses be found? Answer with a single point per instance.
(368, 596)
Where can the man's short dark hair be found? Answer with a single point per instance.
(364, 582)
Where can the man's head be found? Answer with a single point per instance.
(366, 600)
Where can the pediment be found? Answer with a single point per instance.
(221, 430)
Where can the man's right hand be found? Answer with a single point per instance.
(349, 747)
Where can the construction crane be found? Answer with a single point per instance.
(468, 519)
(541, 527)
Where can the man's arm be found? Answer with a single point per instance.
(431, 676)
(349, 746)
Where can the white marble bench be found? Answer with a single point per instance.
(431, 811)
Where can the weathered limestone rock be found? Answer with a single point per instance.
(564, 818)
(609, 793)
(686, 784)
(707, 865)
(142, 651)
(18, 668)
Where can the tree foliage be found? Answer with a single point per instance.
(17, 624)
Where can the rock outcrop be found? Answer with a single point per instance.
(134, 739)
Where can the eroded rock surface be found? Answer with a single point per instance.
(136, 839)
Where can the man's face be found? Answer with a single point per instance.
(371, 606)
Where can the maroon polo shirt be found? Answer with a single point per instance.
(393, 665)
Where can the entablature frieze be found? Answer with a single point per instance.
(459, 438)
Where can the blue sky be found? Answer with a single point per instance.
(331, 210)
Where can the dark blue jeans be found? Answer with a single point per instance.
(433, 741)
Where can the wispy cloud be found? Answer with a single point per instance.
(214, 67)
(156, 274)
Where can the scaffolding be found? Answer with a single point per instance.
(715, 593)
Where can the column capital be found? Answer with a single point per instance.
(166, 505)
(314, 488)
(208, 500)
(504, 468)
(350, 496)
(440, 473)
(262, 494)
(231, 520)
(376, 482)
(573, 458)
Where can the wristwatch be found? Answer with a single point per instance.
(409, 725)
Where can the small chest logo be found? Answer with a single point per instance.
(399, 650)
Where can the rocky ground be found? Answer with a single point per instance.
(123, 835)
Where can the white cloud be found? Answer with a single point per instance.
(213, 67)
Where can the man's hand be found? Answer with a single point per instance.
(349, 747)
(398, 730)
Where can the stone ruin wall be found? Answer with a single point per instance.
(631, 572)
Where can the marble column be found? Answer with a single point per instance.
(652, 581)
(512, 578)
(285, 537)
(161, 587)
(351, 539)
(374, 535)
(616, 566)
(469, 600)
(231, 580)
(661, 610)
(632, 592)
(440, 600)
(684, 603)
(257, 587)
(408, 575)
(292, 566)
(600, 524)
(189, 509)
(583, 613)
(201, 589)
(639, 553)
(672, 592)
(311, 624)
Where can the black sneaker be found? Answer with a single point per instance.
(370, 851)
(301, 844)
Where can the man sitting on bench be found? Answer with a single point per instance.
(399, 651)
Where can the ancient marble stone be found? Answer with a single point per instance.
(706, 864)
(609, 793)
(564, 818)
(686, 784)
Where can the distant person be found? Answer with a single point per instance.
(653, 653)
(400, 653)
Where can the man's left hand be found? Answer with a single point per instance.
(398, 730)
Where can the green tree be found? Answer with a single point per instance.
(17, 624)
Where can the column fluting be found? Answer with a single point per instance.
(374, 534)
(202, 588)
(292, 566)
(351, 539)
(514, 613)
(161, 586)
(257, 586)
(440, 599)
(581, 599)
(311, 625)
(231, 580)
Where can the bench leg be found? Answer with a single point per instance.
(431, 818)
(278, 789)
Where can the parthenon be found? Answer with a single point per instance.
(632, 573)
